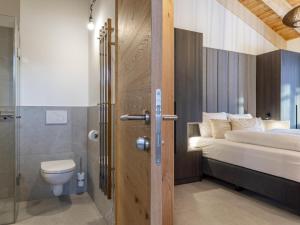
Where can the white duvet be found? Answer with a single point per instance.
(278, 140)
(285, 131)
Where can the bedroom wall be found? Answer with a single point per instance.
(221, 28)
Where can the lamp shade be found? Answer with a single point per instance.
(292, 18)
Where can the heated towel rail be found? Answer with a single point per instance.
(106, 109)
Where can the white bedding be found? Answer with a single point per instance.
(196, 143)
(285, 131)
(278, 162)
(267, 139)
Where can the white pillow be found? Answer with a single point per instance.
(239, 116)
(205, 127)
(276, 124)
(254, 124)
(214, 116)
(219, 128)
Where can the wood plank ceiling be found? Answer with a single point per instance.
(294, 2)
(271, 18)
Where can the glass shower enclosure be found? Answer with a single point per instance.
(9, 124)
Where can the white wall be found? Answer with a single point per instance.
(10, 7)
(104, 9)
(221, 28)
(54, 49)
(294, 45)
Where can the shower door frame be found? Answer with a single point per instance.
(16, 91)
(16, 107)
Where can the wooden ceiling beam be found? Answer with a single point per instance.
(271, 13)
(294, 3)
(280, 7)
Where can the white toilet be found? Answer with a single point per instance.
(57, 173)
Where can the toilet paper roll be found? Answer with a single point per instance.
(93, 135)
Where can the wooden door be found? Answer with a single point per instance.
(145, 42)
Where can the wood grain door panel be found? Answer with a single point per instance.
(144, 190)
(133, 97)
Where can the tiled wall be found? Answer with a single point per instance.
(104, 205)
(6, 127)
(7, 161)
(40, 142)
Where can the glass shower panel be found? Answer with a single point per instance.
(7, 120)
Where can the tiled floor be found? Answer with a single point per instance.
(212, 203)
(74, 210)
(6, 210)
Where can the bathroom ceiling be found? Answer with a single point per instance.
(271, 13)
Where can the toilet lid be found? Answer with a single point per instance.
(59, 166)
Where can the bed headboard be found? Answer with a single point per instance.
(206, 80)
(229, 81)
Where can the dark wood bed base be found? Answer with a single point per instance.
(284, 191)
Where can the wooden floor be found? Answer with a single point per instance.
(213, 203)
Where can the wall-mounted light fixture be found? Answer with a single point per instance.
(91, 25)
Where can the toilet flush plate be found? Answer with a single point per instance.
(56, 117)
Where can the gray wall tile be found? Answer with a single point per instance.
(104, 205)
(40, 142)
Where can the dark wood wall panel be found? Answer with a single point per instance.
(268, 84)
(260, 80)
(278, 85)
(204, 105)
(212, 80)
(188, 97)
(230, 81)
(233, 82)
(251, 85)
(222, 81)
(290, 89)
(242, 85)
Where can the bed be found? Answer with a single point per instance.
(258, 162)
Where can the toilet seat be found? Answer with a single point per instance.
(57, 167)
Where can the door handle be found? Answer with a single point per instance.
(7, 115)
(170, 117)
(144, 117)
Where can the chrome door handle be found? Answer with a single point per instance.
(145, 117)
(170, 117)
(4, 115)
